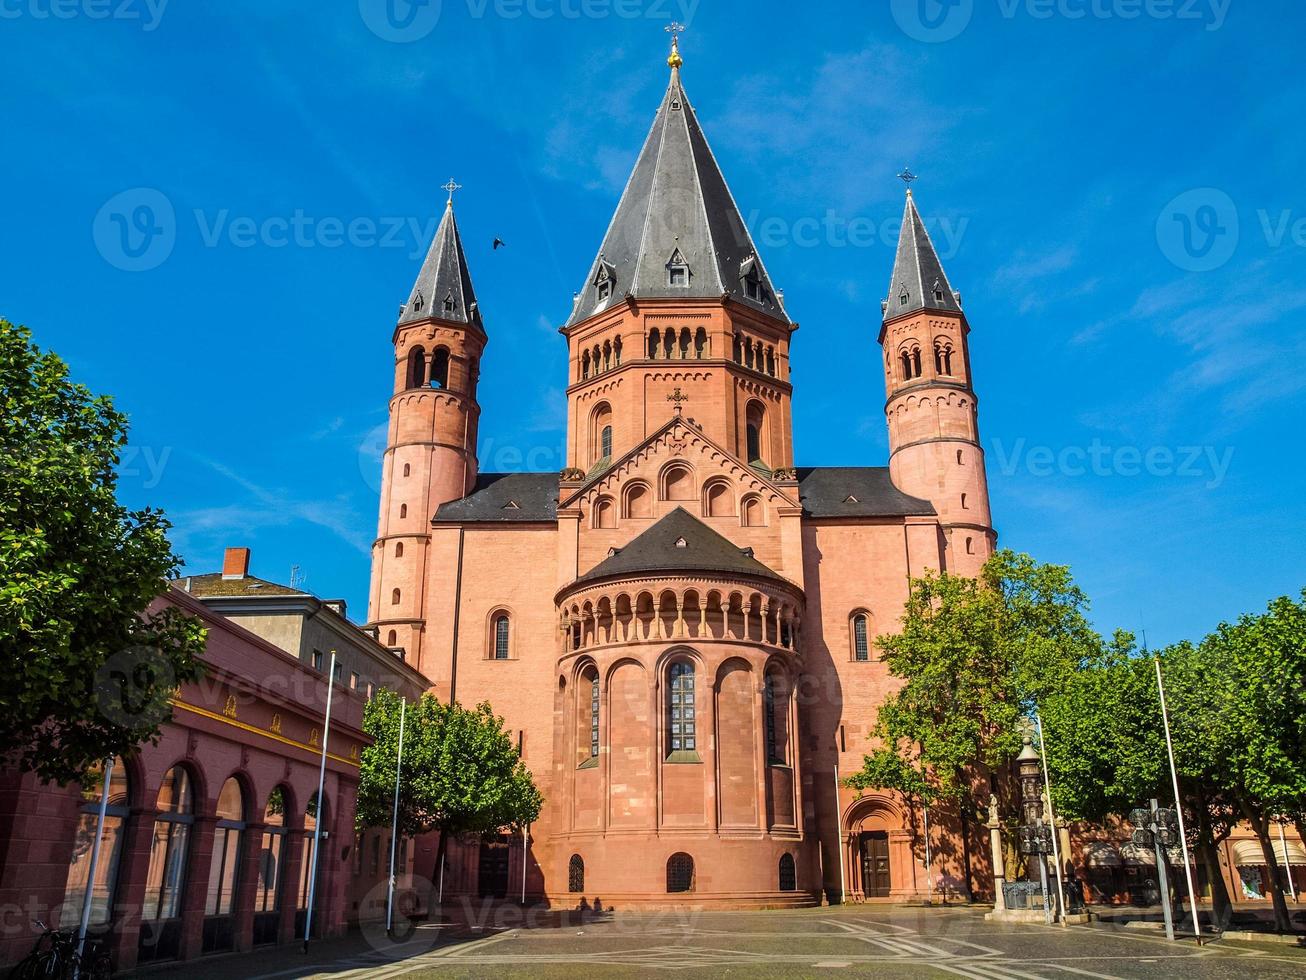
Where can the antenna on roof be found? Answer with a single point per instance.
(297, 577)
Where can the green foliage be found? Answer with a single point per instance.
(974, 656)
(461, 772)
(87, 672)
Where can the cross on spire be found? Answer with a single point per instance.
(907, 177)
(678, 397)
(452, 186)
(675, 28)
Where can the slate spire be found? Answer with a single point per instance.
(677, 232)
(919, 282)
(444, 286)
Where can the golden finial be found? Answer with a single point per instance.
(674, 59)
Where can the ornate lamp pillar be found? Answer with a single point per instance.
(999, 865)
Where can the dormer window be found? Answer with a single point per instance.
(903, 298)
(605, 289)
(753, 289)
(751, 278)
(677, 271)
(418, 302)
(605, 279)
(448, 303)
(938, 291)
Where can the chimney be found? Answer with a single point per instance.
(235, 563)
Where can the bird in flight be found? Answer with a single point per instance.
(498, 242)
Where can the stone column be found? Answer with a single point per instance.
(999, 866)
(197, 885)
(245, 885)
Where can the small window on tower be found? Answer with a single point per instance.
(677, 270)
(448, 303)
(753, 289)
(903, 298)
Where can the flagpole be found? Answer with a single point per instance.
(394, 822)
(929, 870)
(321, 788)
(838, 827)
(1052, 816)
(88, 895)
(1178, 803)
(1287, 867)
(525, 843)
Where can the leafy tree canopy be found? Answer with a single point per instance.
(88, 673)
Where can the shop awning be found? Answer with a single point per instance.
(1102, 855)
(1248, 854)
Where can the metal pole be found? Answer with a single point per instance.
(1043, 881)
(88, 895)
(1052, 816)
(1178, 804)
(440, 895)
(321, 788)
(1287, 867)
(929, 871)
(394, 821)
(838, 829)
(1162, 877)
(525, 843)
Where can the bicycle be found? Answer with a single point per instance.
(55, 957)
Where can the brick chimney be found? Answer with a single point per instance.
(235, 563)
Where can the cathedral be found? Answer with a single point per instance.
(679, 626)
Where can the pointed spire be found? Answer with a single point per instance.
(919, 282)
(677, 232)
(443, 290)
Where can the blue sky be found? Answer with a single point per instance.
(1115, 187)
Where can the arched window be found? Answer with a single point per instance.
(501, 628)
(738, 350)
(748, 353)
(616, 352)
(680, 873)
(938, 359)
(788, 873)
(272, 853)
(959, 462)
(392, 639)
(407, 469)
(166, 876)
(440, 368)
(576, 874)
(682, 729)
(906, 365)
(607, 355)
(653, 339)
(585, 365)
(399, 549)
(861, 640)
(111, 847)
(963, 502)
(638, 501)
(947, 360)
(416, 367)
(403, 510)
(605, 441)
(770, 361)
(590, 690)
(669, 343)
(751, 512)
(605, 513)
(717, 500)
(224, 869)
(970, 549)
(684, 343)
(755, 419)
(700, 344)
(768, 720)
(394, 597)
(677, 483)
(312, 816)
(600, 433)
(916, 362)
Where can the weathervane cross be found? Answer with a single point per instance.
(907, 176)
(678, 397)
(452, 186)
(674, 28)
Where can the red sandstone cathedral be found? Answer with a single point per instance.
(679, 626)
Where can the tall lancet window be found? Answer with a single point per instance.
(681, 725)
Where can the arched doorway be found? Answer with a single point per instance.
(875, 858)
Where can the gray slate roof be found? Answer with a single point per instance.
(855, 491)
(506, 498)
(676, 199)
(444, 286)
(917, 271)
(658, 550)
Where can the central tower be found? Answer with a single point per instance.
(678, 305)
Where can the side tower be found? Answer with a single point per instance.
(430, 455)
(933, 424)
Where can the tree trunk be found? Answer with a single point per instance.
(1221, 904)
(965, 805)
(1261, 824)
(439, 872)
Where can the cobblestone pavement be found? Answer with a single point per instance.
(857, 940)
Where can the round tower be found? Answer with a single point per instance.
(430, 455)
(931, 412)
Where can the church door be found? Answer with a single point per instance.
(493, 876)
(875, 864)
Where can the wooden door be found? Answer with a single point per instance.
(875, 864)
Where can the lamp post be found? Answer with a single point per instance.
(1035, 838)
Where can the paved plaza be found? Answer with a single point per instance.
(862, 940)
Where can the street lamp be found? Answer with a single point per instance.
(1034, 836)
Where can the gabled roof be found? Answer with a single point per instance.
(679, 542)
(214, 584)
(444, 286)
(917, 272)
(505, 498)
(676, 198)
(855, 491)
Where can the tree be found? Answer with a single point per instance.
(974, 657)
(461, 772)
(88, 672)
